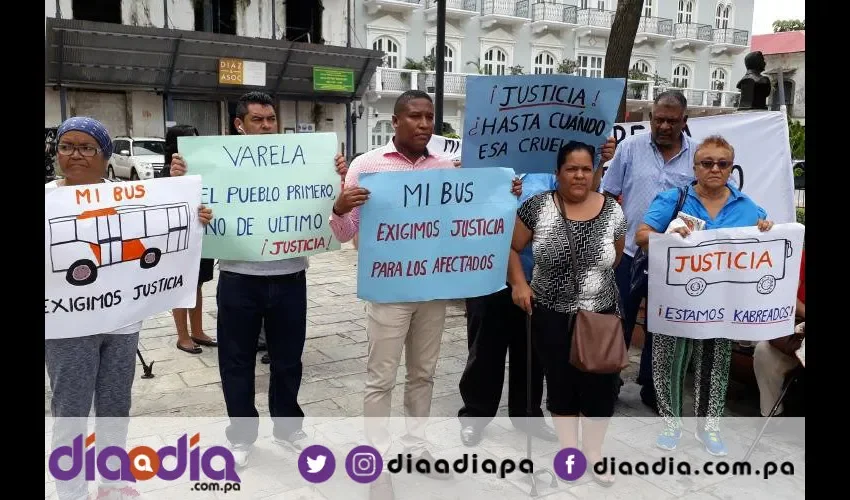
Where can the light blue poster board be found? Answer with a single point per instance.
(521, 121)
(435, 234)
(271, 195)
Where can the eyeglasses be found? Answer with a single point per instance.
(68, 150)
(709, 164)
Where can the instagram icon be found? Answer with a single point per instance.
(364, 464)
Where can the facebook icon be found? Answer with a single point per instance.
(570, 464)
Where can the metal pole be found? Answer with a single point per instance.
(354, 134)
(58, 10)
(208, 16)
(441, 64)
(350, 131)
(274, 21)
(165, 13)
(780, 86)
(63, 103)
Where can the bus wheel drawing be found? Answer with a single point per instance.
(766, 284)
(82, 272)
(150, 258)
(696, 286)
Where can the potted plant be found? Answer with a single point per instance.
(567, 67)
(637, 90)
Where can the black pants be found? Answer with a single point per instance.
(244, 304)
(496, 326)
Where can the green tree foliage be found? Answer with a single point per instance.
(789, 25)
(797, 136)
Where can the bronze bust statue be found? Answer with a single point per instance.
(754, 86)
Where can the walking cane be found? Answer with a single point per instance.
(148, 369)
(532, 477)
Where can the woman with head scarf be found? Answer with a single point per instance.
(97, 368)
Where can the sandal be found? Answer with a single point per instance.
(194, 350)
(208, 343)
(606, 483)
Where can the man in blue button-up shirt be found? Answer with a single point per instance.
(644, 166)
(495, 325)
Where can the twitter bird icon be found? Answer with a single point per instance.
(316, 463)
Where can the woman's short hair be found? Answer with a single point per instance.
(571, 147)
(171, 139)
(716, 141)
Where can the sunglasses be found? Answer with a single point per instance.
(709, 164)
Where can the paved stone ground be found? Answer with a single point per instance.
(334, 374)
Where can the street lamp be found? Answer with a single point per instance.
(355, 115)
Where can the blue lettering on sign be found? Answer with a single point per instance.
(265, 156)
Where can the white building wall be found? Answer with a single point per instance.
(147, 117)
(415, 34)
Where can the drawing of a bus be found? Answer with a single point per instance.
(80, 244)
(730, 251)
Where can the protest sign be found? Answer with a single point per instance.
(435, 234)
(117, 253)
(762, 151)
(521, 121)
(736, 283)
(271, 195)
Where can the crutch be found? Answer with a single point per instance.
(773, 411)
(532, 477)
(148, 369)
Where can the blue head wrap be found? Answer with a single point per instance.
(91, 127)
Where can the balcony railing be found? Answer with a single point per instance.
(645, 91)
(401, 80)
(730, 35)
(656, 26)
(454, 4)
(554, 12)
(512, 8)
(596, 18)
(693, 31)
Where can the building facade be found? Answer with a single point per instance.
(693, 45)
(785, 53)
(141, 65)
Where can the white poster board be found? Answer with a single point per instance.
(762, 154)
(739, 283)
(117, 253)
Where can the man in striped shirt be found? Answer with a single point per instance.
(415, 326)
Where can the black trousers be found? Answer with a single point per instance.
(496, 326)
(245, 305)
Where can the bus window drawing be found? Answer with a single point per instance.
(743, 261)
(81, 244)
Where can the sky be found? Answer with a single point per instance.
(767, 11)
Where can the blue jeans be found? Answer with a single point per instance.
(630, 305)
(245, 304)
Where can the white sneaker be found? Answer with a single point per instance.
(296, 441)
(240, 454)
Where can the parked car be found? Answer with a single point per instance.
(137, 158)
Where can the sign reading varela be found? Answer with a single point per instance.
(271, 195)
(435, 234)
(521, 121)
(737, 283)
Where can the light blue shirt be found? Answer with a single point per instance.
(639, 173)
(739, 211)
(533, 184)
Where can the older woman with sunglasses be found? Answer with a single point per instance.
(97, 368)
(714, 200)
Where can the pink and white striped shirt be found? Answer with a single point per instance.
(383, 159)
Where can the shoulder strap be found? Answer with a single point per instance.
(683, 195)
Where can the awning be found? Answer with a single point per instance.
(84, 54)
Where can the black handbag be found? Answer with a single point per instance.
(640, 262)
